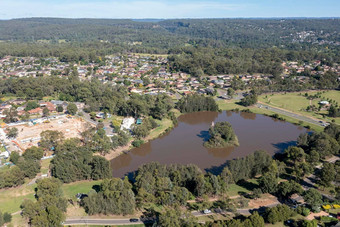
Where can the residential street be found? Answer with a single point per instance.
(87, 221)
(84, 221)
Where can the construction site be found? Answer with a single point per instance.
(29, 132)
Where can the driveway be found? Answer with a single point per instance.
(87, 118)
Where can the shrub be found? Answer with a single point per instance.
(137, 143)
(328, 219)
(303, 211)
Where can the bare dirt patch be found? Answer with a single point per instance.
(118, 151)
(29, 135)
(265, 200)
(314, 215)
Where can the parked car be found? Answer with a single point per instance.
(218, 210)
(134, 220)
(206, 211)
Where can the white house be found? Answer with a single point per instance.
(127, 123)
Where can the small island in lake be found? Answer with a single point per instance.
(221, 135)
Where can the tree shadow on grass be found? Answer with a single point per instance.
(247, 185)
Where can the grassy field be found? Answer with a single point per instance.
(213, 217)
(334, 211)
(280, 224)
(18, 220)
(45, 165)
(290, 101)
(297, 102)
(234, 189)
(231, 104)
(163, 125)
(11, 199)
(70, 190)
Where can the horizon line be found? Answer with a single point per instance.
(179, 18)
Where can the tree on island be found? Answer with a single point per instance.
(222, 135)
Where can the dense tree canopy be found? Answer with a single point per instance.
(221, 135)
(79, 164)
(195, 103)
(249, 166)
(50, 206)
(115, 196)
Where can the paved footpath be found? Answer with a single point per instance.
(290, 114)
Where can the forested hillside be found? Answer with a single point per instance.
(195, 46)
(170, 33)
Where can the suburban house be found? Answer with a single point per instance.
(127, 123)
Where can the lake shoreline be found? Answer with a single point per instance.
(185, 143)
(165, 126)
(127, 148)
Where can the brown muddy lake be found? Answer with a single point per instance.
(184, 144)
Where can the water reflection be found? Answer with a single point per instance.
(204, 135)
(121, 161)
(221, 152)
(250, 116)
(201, 117)
(144, 149)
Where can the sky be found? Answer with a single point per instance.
(139, 9)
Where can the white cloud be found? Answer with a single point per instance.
(116, 9)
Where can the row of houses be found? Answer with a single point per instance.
(145, 74)
(21, 110)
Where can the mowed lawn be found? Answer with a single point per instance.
(232, 104)
(335, 95)
(247, 187)
(295, 102)
(163, 125)
(290, 101)
(12, 198)
(70, 190)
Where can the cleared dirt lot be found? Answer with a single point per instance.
(29, 135)
(265, 200)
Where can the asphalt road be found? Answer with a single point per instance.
(86, 221)
(290, 114)
(87, 118)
